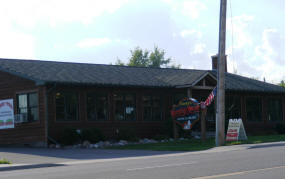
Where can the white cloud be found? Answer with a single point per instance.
(270, 55)
(238, 27)
(29, 12)
(193, 8)
(199, 48)
(185, 33)
(93, 42)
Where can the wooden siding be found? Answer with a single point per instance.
(23, 133)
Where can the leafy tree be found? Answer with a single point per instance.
(157, 59)
(145, 58)
(139, 58)
(282, 83)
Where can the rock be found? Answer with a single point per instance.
(124, 142)
(100, 144)
(106, 144)
(52, 146)
(181, 138)
(171, 140)
(86, 144)
(197, 137)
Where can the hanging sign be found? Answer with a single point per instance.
(236, 130)
(186, 113)
(6, 114)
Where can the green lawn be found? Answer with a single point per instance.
(4, 161)
(196, 145)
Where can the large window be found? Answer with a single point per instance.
(275, 109)
(253, 109)
(66, 106)
(27, 107)
(152, 108)
(125, 108)
(97, 107)
(233, 107)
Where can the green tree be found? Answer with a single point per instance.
(156, 58)
(139, 58)
(282, 83)
(145, 58)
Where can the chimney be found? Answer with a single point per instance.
(215, 63)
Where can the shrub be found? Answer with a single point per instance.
(127, 134)
(93, 135)
(69, 136)
(280, 128)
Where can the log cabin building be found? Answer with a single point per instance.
(50, 96)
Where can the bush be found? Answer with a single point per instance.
(280, 128)
(127, 134)
(93, 135)
(69, 136)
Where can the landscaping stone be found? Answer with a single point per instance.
(86, 144)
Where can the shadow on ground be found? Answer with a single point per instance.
(45, 155)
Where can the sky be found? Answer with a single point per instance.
(102, 31)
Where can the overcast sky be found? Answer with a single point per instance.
(100, 31)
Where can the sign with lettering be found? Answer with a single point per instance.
(186, 113)
(236, 130)
(6, 114)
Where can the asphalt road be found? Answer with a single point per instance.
(256, 162)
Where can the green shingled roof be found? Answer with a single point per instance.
(44, 72)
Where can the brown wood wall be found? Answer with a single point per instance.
(35, 132)
(23, 133)
(109, 127)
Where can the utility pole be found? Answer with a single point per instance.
(220, 114)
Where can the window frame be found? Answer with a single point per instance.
(28, 93)
(260, 112)
(268, 109)
(124, 94)
(152, 107)
(77, 119)
(96, 95)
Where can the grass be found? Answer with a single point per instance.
(4, 161)
(197, 145)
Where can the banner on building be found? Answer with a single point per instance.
(186, 113)
(6, 114)
(236, 130)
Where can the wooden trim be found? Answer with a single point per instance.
(203, 87)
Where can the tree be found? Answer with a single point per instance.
(282, 83)
(156, 58)
(145, 58)
(139, 58)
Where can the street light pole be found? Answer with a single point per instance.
(220, 113)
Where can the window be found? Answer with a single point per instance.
(66, 106)
(152, 108)
(233, 107)
(253, 109)
(125, 108)
(27, 107)
(275, 110)
(97, 107)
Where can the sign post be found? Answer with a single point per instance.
(6, 114)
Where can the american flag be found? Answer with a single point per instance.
(211, 97)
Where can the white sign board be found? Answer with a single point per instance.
(236, 130)
(6, 114)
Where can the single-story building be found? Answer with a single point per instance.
(50, 96)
